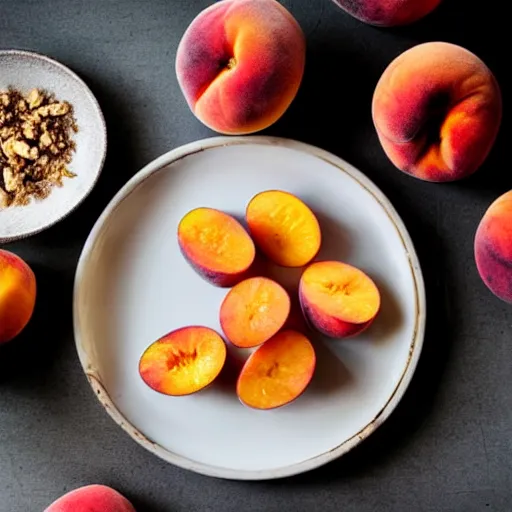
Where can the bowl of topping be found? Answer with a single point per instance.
(53, 143)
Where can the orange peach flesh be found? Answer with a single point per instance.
(184, 361)
(216, 245)
(278, 372)
(17, 295)
(337, 298)
(253, 311)
(284, 228)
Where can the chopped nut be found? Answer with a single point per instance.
(58, 109)
(43, 160)
(34, 98)
(22, 149)
(45, 140)
(29, 131)
(35, 145)
(4, 199)
(12, 181)
(8, 147)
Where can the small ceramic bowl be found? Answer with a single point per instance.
(25, 71)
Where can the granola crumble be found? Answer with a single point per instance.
(36, 145)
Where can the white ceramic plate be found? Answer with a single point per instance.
(132, 286)
(25, 71)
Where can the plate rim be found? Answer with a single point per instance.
(104, 137)
(311, 463)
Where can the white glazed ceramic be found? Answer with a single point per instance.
(26, 70)
(132, 286)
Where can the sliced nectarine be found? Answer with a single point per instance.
(216, 245)
(253, 311)
(278, 372)
(338, 299)
(184, 361)
(284, 228)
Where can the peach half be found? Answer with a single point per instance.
(284, 228)
(17, 295)
(216, 245)
(437, 110)
(240, 64)
(184, 361)
(253, 311)
(338, 300)
(493, 247)
(277, 372)
(91, 498)
(388, 13)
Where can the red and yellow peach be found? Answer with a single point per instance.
(240, 63)
(338, 300)
(493, 247)
(278, 372)
(437, 109)
(388, 13)
(253, 311)
(284, 228)
(91, 498)
(216, 245)
(17, 295)
(184, 361)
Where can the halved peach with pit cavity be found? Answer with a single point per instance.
(184, 361)
(216, 245)
(253, 311)
(338, 299)
(284, 228)
(278, 372)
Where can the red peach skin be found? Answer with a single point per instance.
(493, 247)
(17, 295)
(240, 63)
(388, 13)
(91, 498)
(437, 110)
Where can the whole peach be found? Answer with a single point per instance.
(239, 64)
(91, 498)
(17, 295)
(493, 247)
(388, 13)
(437, 109)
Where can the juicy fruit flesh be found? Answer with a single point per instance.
(184, 361)
(277, 372)
(253, 311)
(284, 228)
(341, 291)
(216, 240)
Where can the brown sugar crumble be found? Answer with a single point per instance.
(36, 145)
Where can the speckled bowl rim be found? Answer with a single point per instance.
(87, 91)
(415, 348)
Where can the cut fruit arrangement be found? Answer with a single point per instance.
(337, 300)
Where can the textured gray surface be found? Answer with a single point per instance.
(448, 447)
